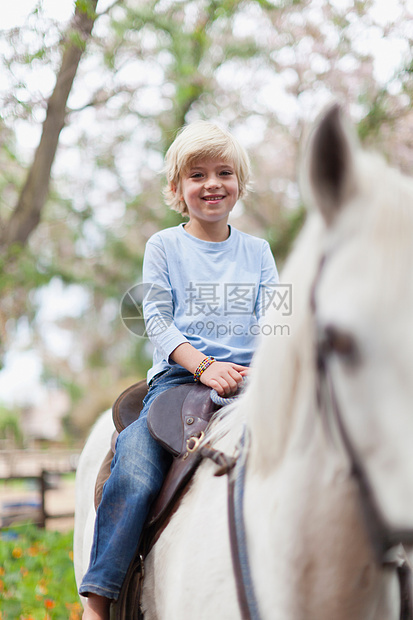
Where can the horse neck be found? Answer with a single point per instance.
(305, 526)
(300, 499)
(307, 535)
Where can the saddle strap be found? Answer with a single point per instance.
(247, 600)
(406, 599)
(235, 469)
(128, 605)
(236, 561)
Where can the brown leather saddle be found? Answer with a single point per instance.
(177, 419)
(125, 410)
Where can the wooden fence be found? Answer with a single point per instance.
(44, 469)
(35, 512)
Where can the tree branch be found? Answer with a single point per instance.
(27, 213)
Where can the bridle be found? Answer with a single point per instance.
(382, 536)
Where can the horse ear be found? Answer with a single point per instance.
(332, 164)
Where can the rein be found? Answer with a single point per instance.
(235, 469)
(238, 538)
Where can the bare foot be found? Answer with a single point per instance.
(97, 608)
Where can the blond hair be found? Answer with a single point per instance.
(202, 140)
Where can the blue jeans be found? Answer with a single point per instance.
(137, 473)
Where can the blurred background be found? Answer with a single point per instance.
(91, 95)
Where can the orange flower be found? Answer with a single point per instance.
(75, 610)
(17, 552)
(24, 572)
(76, 606)
(41, 588)
(1, 585)
(2, 572)
(49, 603)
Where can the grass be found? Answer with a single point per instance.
(36, 575)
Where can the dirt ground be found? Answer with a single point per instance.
(25, 499)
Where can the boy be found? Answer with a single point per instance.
(210, 282)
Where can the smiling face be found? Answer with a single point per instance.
(210, 190)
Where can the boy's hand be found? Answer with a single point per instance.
(224, 377)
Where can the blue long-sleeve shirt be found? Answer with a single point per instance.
(210, 294)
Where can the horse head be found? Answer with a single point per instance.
(352, 316)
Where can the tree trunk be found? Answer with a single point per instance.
(27, 212)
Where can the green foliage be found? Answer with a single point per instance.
(377, 115)
(86, 6)
(36, 575)
(77, 40)
(10, 427)
(282, 237)
(18, 267)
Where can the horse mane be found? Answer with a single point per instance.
(282, 366)
(267, 403)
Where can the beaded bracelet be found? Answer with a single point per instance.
(206, 362)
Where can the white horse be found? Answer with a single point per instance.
(311, 550)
